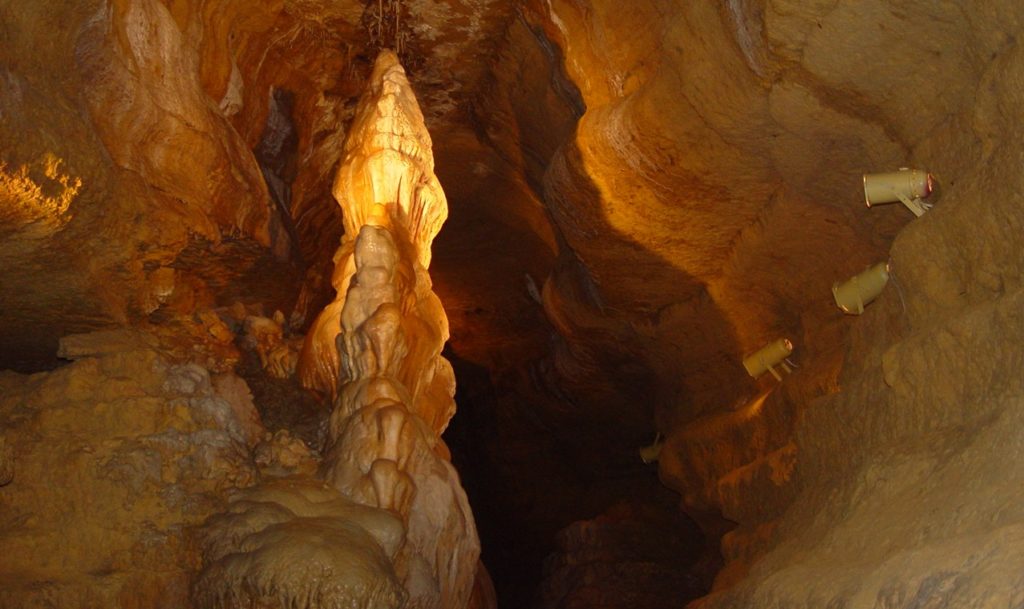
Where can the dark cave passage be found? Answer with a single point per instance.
(613, 539)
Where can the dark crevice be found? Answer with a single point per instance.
(284, 403)
(277, 154)
(560, 81)
(511, 463)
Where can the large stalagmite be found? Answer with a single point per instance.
(386, 178)
(387, 325)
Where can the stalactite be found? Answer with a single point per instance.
(383, 23)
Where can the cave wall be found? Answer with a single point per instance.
(706, 200)
(129, 130)
(908, 468)
(654, 189)
(683, 186)
(109, 462)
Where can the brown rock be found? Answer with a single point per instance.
(117, 454)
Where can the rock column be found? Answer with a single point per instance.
(377, 348)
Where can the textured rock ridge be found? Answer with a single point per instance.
(116, 147)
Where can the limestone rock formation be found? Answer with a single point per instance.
(640, 194)
(903, 466)
(294, 543)
(378, 349)
(114, 457)
(278, 356)
(387, 176)
(396, 391)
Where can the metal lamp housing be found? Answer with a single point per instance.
(858, 291)
(771, 355)
(908, 186)
(650, 454)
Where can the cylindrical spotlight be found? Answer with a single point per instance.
(771, 355)
(907, 186)
(650, 454)
(858, 291)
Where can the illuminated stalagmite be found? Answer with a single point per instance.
(387, 179)
(388, 327)
(376, 348)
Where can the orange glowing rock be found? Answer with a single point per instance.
(386, 179)
(388, 163)
(377, 347)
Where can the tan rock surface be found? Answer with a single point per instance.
(641, 193)
(115, 457)
(376, 349)
(395, 390)
(296, 542)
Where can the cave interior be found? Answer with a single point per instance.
(540, 304)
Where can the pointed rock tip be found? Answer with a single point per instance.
(386, 61)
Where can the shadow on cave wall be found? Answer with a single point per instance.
(548, 425)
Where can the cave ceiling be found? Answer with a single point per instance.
(660, 187)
